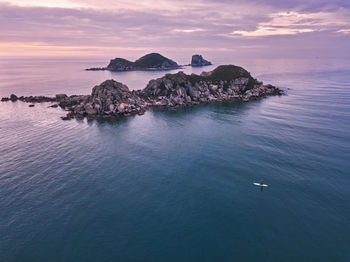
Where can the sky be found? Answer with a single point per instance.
(110, 28)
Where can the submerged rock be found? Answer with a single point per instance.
(198, 60)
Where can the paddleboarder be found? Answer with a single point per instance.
(261, 184)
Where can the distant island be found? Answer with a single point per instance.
(111, 98)
(153, 61)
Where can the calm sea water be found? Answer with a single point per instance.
(176, 185)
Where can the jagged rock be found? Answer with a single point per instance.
(193, 92)
(198, 60)
(90, 110)
(110, 98)
(61, 97)
(73, 100)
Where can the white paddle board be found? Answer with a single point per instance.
(258, 184)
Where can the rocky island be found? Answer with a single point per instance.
(153, 61)
(111, 98)
(198, 61)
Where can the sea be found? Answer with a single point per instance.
(177, 184)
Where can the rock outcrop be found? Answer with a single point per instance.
(153, 61)
(5, 99)
(198, 61)
(111, 98)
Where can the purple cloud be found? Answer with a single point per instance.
(105, 26)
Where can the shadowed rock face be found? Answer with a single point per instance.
(153, 61)
(156, 61)
(120, 64)
(108, 99)
(111, 98)
(198, 60)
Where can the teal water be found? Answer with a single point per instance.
(176, 185)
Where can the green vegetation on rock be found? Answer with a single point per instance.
(229, 73)
(153, 61)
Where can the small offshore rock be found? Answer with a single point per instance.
(54, 106)
(198, 60)
(13, 98)
(31, 105)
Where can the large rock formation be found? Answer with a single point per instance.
(222, 84)
(198, 60)
(111, 98)
(153, 61)
(225, 83)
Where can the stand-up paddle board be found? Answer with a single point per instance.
(259, 184)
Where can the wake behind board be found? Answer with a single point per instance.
(262, 185)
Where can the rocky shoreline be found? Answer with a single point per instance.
(114, 99)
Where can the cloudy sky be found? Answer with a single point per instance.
(111, 27)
